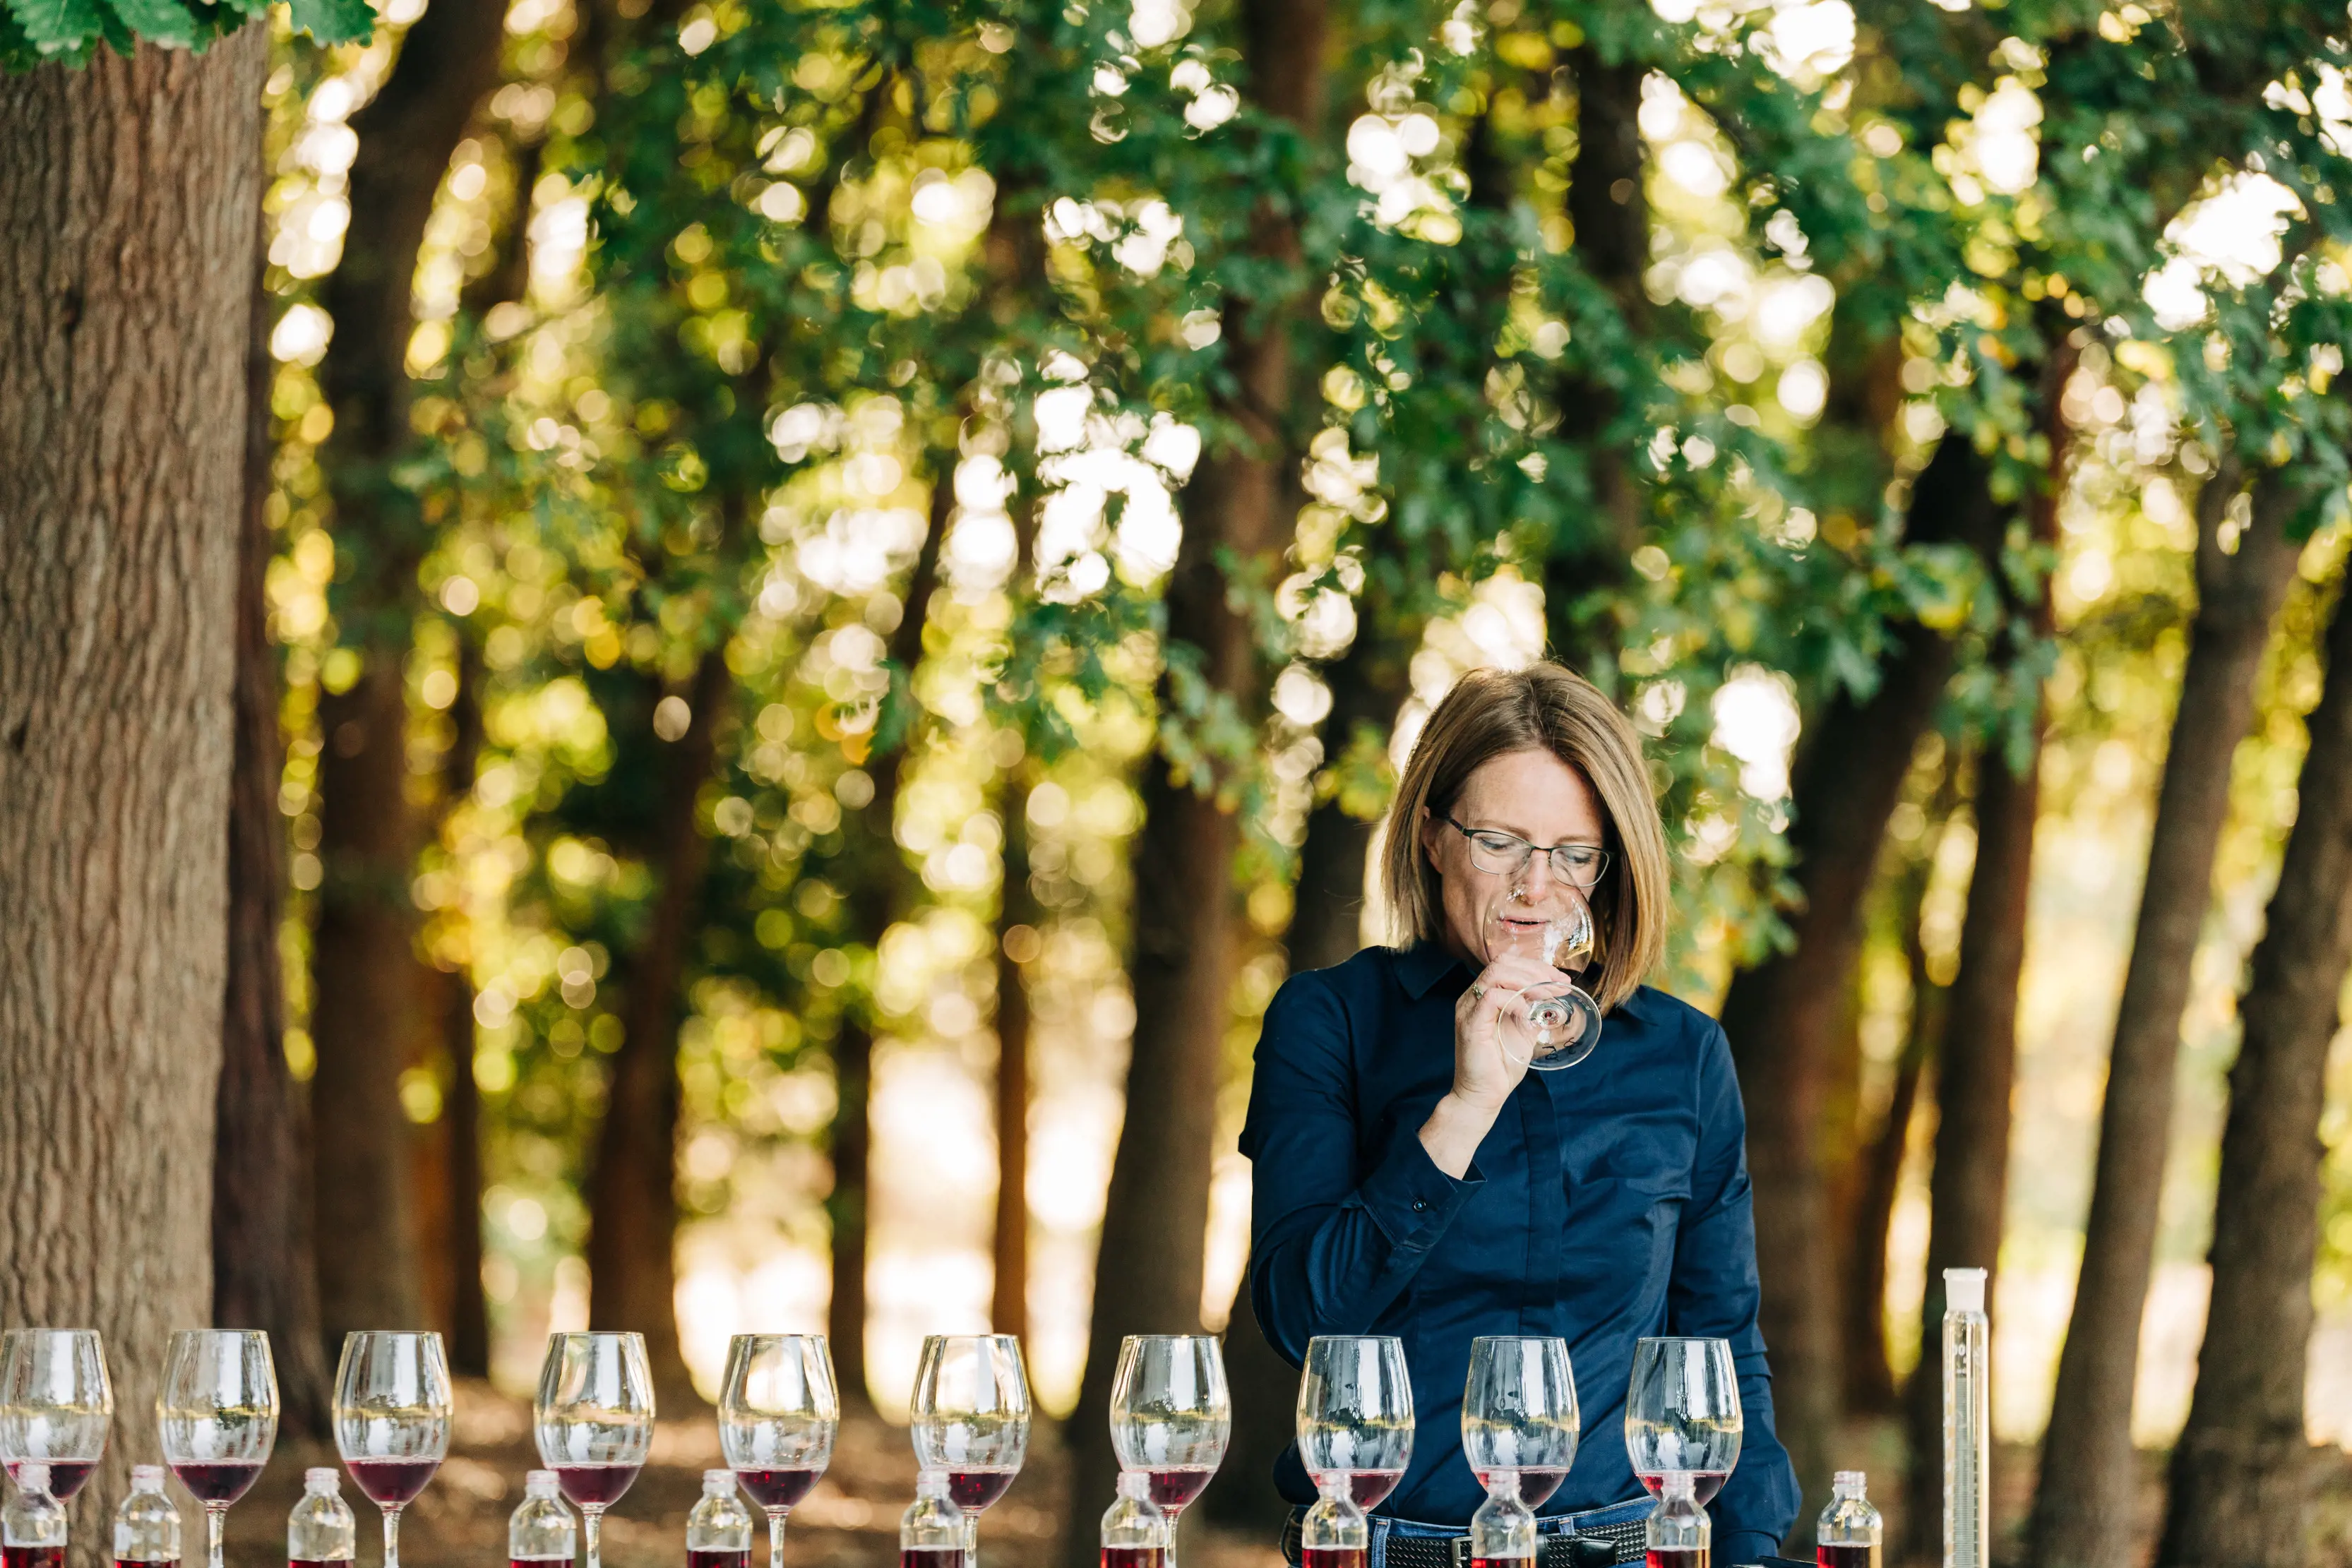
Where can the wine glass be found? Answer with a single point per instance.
(1682, 1413)
(1170, 1415)
(1354, 1414)
(972, 1418)
(216, 1414)
(56, 1404)
(594, 1420)
(1556, 1031)
(1518, 1413)
(391, 1419)
(778, 1412)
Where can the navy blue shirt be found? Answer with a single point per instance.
(1609, 1201)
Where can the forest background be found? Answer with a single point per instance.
(765, 625)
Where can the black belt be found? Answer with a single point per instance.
(1599, 1547)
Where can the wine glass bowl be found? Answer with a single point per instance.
(1682, 1413)
(971, 1417)
(778, 1413)
(56, 1404)
(1171, 1414)
(594, 1420)
(1553, 1033)
(1354, 1414)
(393, 1409)
(217, 1416)
(1520, 1413)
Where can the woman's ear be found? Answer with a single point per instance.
(1428, 833)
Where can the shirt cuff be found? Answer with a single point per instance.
(1744, 1546)
(1410, 1198)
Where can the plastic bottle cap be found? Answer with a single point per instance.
(1135, 1484)
(931, 1483)
(1964, 1291)
(718, 1481)
(33, 1478)
(323, 1478)
(539, 1483)
(146, 1478)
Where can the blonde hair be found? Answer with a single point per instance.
(1544, 708)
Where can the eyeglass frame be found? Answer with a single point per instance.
(1551, 853)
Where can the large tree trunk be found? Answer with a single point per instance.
(1781, 1015)
(2243, 1470)
(632, 1189)
(128, 201)
(1976, 1066)
(2084, 1513)
(1186, 931)
(461, 1107)
(877, 898)
(368, 1019)
(262, 1273)
(1019, 926)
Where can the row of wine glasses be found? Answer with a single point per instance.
(1520, 1413)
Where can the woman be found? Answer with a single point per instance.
(1413, 1178)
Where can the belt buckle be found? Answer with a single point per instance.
(1458, 1548)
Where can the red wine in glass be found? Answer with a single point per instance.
(1705, 1484)
(712, 1557)
(67, 1477)
(1675, 1557)
(32, 1557)
(595, 1486)
(391, 1483)
(1536, 1486)
(1502, 1562)
(1332, 1557)
(1174, 1490)
(1134, 1557)
(1370, 1489)
(316, 1562)
(1845, 1556)
(538, 1562)
(975, 1490)
(930, 1557)
(779, 1490)
(220, 1481)
(146, 1562)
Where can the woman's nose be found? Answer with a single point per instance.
(1535, 879)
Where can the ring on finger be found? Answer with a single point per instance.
(1477, 993)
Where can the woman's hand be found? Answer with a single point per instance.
(1484, 1073)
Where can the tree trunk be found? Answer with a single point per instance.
(262, 1273)
(1369, 685)
(461, 1107)
(877, 899)
(368, 1019)
(128, 201)
(633, 1190)
(1782, 1013)
(1186, 934)
(2084, 1513)
(2242, 1473)
(1020, 924)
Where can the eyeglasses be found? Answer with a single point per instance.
(1579, 865)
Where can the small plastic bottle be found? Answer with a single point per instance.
(1135, 1533)
(1850, 1529)
(1335, 1534)
(541, 1531)
(321, 1530)
(33, 1524)
(1680, 1532)
(146, 1527)
(719, 1531)
(1502, 1533)
(931, 1531)
(1968, 1419)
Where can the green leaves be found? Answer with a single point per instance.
(57, 26)
(334, 21)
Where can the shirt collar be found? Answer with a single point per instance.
(1420, 966)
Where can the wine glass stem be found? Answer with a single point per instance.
(776, 1517)
(215, 1520)
(392, 1538)
(1175, 1517)
(595, 1517)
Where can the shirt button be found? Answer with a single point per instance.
(1420, 1206)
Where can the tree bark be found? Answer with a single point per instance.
(262, 1268)
(877, 899)
(1186, 934)
(1019, 925)
(369, 1023)
(2242, 1471)
(632, 1189)
(2084, 1513)
(128, 201)
(1782, 1014)
(461, 1107)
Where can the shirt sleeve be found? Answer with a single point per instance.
(1715, 1294)
(1330, 1248)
